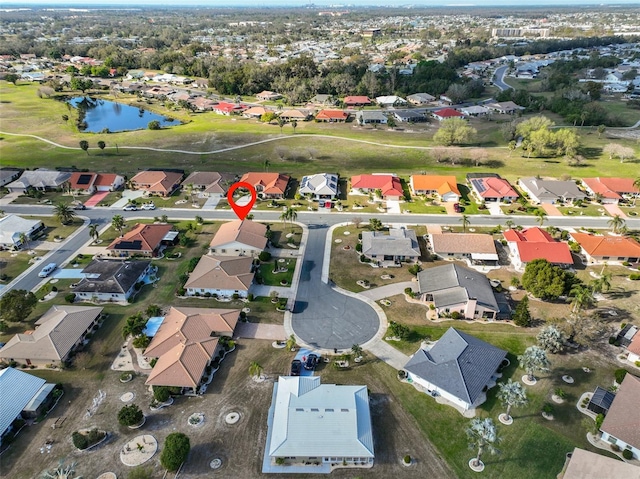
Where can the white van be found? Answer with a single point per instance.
(47, 270)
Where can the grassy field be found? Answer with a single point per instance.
(23, 111)
(272, 278)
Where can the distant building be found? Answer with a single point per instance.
(321, 186)
(111, 280)
(551, 191)
(598, 248)
(13, 227)
(239, 238)
(389, 185)
(535, 243)
(611, 190)
(157, 182)
(267, 185)
(40, 179)
(222, 276)
(446, 187)
(400, 245)
(143, 240)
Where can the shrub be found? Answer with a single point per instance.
(455, 315)
(79, 441)
(141, 341)
(599, 421)
(432, 307)
(637, 363)
(612, 339)
(70, 297)
(235, 295)
(359, 247)
(408, 292)
(182, 291)
(634, 276)
(264, 256)
(625, 263)
(207, 294)
(250, 297)
(279, 461)
(359, 236)
(627, 454)
(175, 451)
(547, 408)
(407, 459)
(130, 415)
(615, 448)
(619, 374)
(161, 393)
(54, 289)
(399, 330)
(243, 315)
(415, 269)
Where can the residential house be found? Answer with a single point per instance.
(390, 100)
(89, 182)
(58, 332)
(536, 243)
(490, 187)
(634, 349)
(400, 245)
(7, 175)
(239, 238)
(255, 112)
(475, 110)
(409, 116)
(420, 98)
(551, 191)
(446, 113)
(611, 190)
(186, 343)
(388, 184)
(40, 179)
(267, 185)
(24, 396)
(202, 103)
(321, 186)
(208, 184)
(589, 465)
(607, 248)
(356, 101)
(455, 289)
(157, 182)
(143, 240)
(111, 280)
(371, 117)
(297, 115)
(445, 187)
(13, 227)
(621, 425)
(268, 96)
(459, 367)
(506, 107)
(326, 424)
(221, 276)
(323, 99)
(332, 116)
(227, 109)
(473, 248)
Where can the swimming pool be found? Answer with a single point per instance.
(152, 326)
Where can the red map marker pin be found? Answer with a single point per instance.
(241, 210)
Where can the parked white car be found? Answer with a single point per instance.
(148, 206)
(130, 208)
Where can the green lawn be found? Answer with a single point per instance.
(271, 278)
(419, 206)
(586, 210)
(12, 264)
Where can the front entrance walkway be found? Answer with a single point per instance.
(388, 290)
(387, 353)
(95, 199)
(494, 208)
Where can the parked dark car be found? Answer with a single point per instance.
(79, 206)
(457, 208)
(296, 367)
(311, 362)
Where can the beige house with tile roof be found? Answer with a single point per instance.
(186, 343)
(590, 465)
(142, 240)
(474, 248)
(57, 333)
(159, 183)
(621, 425)
(207, 183)
(222, 276)
(239, 238)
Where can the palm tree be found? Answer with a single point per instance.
(93, 231)
(62, 472)
(281, 122)
(255, 370)
(118, 223)
(482, 435)
(509, 224)
(293, 215)
(64, 213)
(291, 343)
(464, 219)
(294, 125)
(603, 283)
(266, 165)
(356, 349)
(534, 359)
(636, 185)
(541, 215)
(582, 297)
(616, 223)
(24, 240)
(284, 216)
(512, 394)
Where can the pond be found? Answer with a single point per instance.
(98, 115)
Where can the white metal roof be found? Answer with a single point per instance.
(16, 391)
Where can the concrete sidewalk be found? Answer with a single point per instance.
(389, 290)
(387, 353)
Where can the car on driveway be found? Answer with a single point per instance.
(79, 206)
(130, 208)
(311, 362)
(148, 206)
(296, 367)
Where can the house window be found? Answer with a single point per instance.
(613, 440)
(620, 258)
(314, 409)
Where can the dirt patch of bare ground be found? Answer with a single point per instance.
(240, 446)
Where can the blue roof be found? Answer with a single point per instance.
(16, 391)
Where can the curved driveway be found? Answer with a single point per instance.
(322, 317)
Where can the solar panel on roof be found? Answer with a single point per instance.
(478, 185)
(84, 179)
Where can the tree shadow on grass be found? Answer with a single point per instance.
(591, 152)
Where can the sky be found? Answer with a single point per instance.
(298, 3)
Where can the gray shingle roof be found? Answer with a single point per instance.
(552, 189)
(399, 242)
(454, 284)
(111, 276)
(458, 363)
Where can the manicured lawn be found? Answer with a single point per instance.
(586, 210)
(272, 278)
(514, 209)
(420, 206)
(13, 263)
(263, 311)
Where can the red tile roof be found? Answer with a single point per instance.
(86, 183)
(332, 115)
(357, 100)
(228, 107)
(612, 246)
(389, 184)
(271, 183)
(448, 113)
(105, 179)
(536, 243)
(634, 347)
(611, 187)
(142, 238)
(496, 188)
(441, 184)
